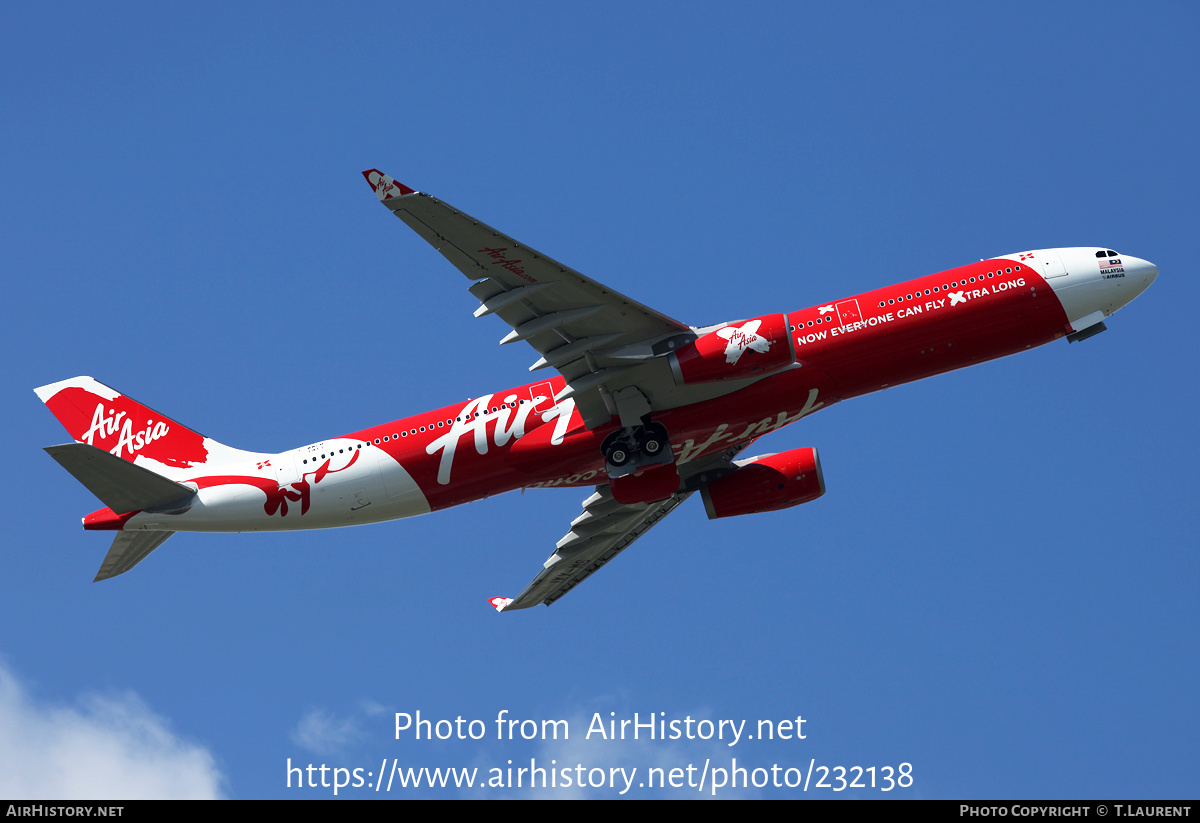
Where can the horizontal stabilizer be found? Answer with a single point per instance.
(120, 485)
(129, 549)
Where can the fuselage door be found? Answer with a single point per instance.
(1049, 264)
(848, 311)
(285, 468)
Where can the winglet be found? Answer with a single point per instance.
(385, 188)
(500, 603)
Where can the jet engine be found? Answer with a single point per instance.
(736, 350)
(766, 484)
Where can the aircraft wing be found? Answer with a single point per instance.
(595, 337)
(605, 529)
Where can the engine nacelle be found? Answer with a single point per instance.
(738, 350)
(766, 484)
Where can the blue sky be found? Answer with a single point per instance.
(998, 587)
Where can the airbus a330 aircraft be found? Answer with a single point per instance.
(646, 409)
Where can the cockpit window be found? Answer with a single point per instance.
(1106, 253)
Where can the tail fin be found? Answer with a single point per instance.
(95, 414)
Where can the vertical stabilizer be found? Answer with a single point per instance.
(100, 416)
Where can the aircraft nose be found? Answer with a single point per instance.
(1143, 273)
(1151, 272)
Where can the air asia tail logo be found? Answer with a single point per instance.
(106, 425)
(743, 337)
(99, 416)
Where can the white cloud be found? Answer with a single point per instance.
(373, 709)
(105, 747)
(322, 733)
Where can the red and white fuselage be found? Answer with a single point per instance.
(520, 438)
(641, 381)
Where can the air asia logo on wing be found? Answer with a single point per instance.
(385, 187)
(500, 258)
(743, 337)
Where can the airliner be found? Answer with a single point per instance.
(643, 409)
